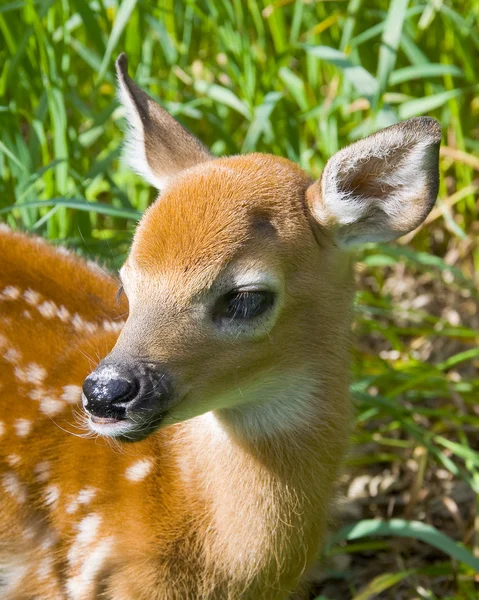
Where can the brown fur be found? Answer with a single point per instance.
(225, 512)
(228, 498)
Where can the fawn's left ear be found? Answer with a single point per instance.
(381, 187)
(157, 146)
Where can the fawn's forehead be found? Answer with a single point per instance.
(210, 213)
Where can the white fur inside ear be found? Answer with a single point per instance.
(383, 175)
(134, 144)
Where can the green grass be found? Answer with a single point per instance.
(299, 79)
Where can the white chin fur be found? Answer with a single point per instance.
(111, 429)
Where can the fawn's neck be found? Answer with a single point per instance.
(267, 483)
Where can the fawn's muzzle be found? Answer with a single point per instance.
(116, 392)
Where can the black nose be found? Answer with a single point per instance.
(107, 393)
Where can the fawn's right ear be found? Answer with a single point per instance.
(157, 146)
(381, 187)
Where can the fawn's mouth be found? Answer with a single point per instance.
(126, 400)
(124, 429)
(110, 427)
(104, 420)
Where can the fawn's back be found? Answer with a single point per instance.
(70, 500)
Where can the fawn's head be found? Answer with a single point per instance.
(238, 278)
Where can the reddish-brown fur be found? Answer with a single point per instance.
(161, 526)
(227, 497)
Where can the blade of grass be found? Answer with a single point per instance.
(94, 207)
(413, 529)
(121, 20)
(365, 84)
(391, 37)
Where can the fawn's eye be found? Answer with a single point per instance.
(239, 305)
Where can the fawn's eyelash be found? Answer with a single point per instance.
(120, 292)
(240, 305)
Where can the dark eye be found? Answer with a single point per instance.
(239, 305)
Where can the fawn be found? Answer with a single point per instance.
(230, 374)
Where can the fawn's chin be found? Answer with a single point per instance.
(126, 430)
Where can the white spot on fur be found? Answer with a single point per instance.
(77, 322)
(31, 297)
(22, 427)
(12, 356)
(51, 495)
(50, 406)
(27, 314)
(84, 497)
(87, 532)
(112, 325)
(50, 539)
(45, 568)
(80, 587)
(14, 460)
(36, 394)
(42, 471)
(20, 374)
(32, 373)
(36, 373)
(14, 487)
(12, 573)
(139, 470)
(29, 532)
(88, 528)
(63, 314)
(81, 325)
(71, 394)
(11, 293)
(90, 327)
(48, 309)
(72, 505)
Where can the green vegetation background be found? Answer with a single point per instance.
(298, 78)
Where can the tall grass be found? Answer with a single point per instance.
(299, 78)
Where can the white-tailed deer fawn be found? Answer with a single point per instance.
(230, 374)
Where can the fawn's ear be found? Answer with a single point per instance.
(381, 187)
(157, 146)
